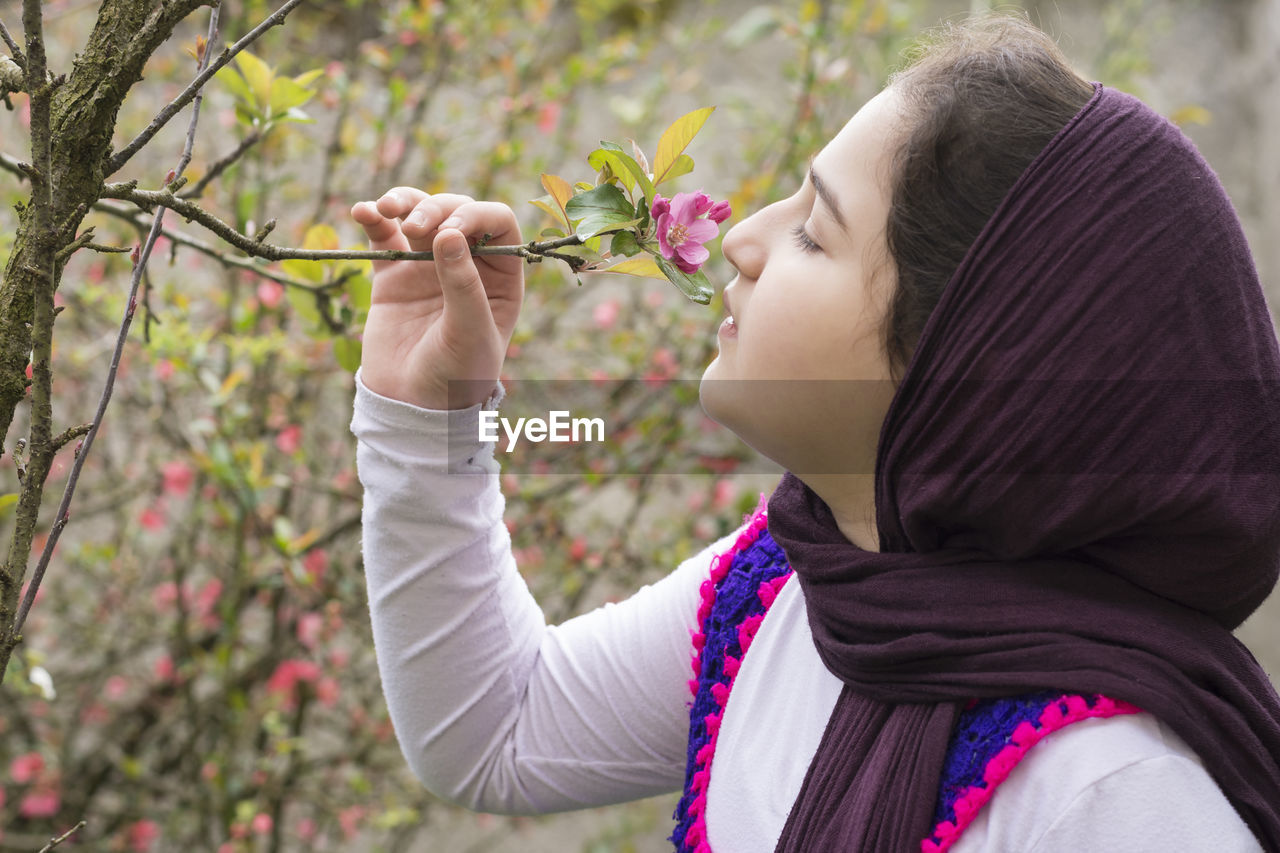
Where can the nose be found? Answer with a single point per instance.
(744, 247)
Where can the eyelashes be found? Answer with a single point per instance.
(803, 241)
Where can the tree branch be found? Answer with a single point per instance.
(221, 165)
(60, 522)
(171, 109)
(18, 58)
(223, 258)
(532, 251)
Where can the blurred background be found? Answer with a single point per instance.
(198, 670)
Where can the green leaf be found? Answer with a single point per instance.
(257, 74)
(693, 285)
(560, 192)
(592, 257)
(247, 115)
(601, 209)
(624, 243)
(603, 158)
(7, 503)
(287, 94)
(306, 78)
(675, 139)
(303, 301)
(682, 166)
(230, 77)
(347, 351)
(642, 266)
(612, 152)
(360, 292)
(548, 204)
(551, 233)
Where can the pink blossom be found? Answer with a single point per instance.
(178, 477)
(306, 829)
(270, 292)
(262, 823)
(289, 439)
(164, 668)
(605, 314)
(153, 517)
(349, 819)
(40, 803)
(315, 562)
(116, 687)
(548, 117)
(142, 834)
(309, 627)
(26, 767)
(327, 691)
(685, 222)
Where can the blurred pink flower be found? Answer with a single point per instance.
(306, 829)
(289, 439)
(685, 222)
(262, 823)
(40, 803)
(315, 562)
(142, 834)
(270, 292)
(327, 691)
(605, 314)
(178, 477)
(309, 627)
(152, 518)
(26, 767)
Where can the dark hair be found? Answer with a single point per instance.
(981, 98)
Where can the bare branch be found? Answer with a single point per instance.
(54, 842)
(69, 435)
(82, 453)
(18, 58)
(222, 165)
(171, 109)
(208, 249)
(532, 251)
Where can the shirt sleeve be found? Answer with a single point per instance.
(1163, 803)
(493, 709)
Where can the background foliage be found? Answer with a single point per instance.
(198, 671)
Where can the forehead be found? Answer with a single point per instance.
(860, 153)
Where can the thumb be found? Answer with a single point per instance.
(464, 295)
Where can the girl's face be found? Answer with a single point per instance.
(813, 286)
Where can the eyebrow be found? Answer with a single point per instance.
(828, 197)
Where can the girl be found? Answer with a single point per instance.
(1022, 380)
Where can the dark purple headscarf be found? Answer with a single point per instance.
(1077, 488)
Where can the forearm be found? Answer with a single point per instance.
(493, 709)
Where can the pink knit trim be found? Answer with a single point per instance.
(696, 837)
(997, 770)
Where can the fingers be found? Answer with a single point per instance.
(408, 219)
(423, 220)
(383, 233)
(466, 305)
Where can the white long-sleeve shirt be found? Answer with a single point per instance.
(499, 712)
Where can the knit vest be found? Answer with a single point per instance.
(991, 736)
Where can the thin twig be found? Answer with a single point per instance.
(147, 199)
(162, 118)
(13, 47)
(54, 842)
(221, 165)
(64, 508)
(181, 239)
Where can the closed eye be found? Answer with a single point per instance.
(803, 241)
